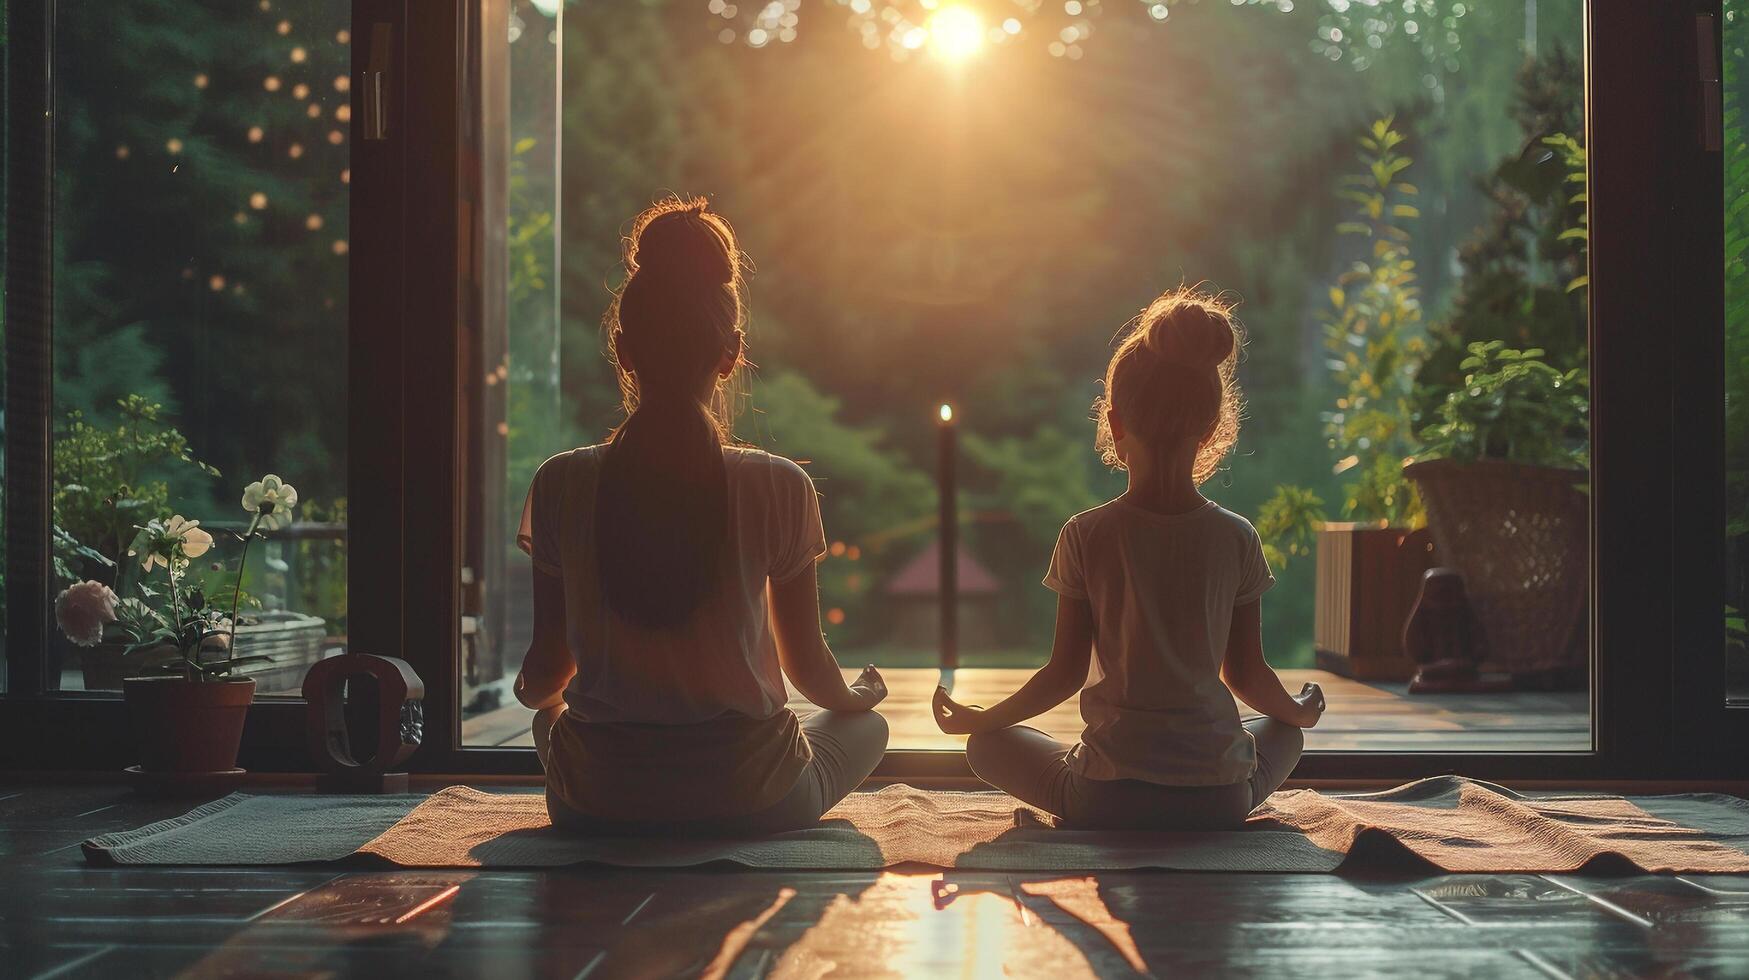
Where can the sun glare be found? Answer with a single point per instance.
(955, 33)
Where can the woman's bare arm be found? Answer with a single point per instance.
(1254, 682)
(1057, 681)
(548, 666)
(802, 651)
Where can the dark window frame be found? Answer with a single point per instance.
(418, 255)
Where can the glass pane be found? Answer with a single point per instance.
(963, 203)
(521, 419)
(1736, 86)
(200, 330)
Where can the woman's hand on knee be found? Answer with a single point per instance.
(954, 718)
(869, 687)
(1311, 702)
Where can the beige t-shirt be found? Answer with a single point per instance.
(724, 658)
(1162, 589)
(690, 720)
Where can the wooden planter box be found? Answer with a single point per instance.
(1367, 579)
(293, 640)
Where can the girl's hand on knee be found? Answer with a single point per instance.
(869, 687)
(1311, 702)
(954, 718)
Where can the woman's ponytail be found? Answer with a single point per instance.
(661, 505)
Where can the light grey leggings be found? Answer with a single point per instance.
(1033, 768)
(847, 746)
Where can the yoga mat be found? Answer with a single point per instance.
(1445, 823)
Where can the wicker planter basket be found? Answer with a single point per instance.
(1518, 535)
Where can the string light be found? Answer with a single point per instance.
(283, 27)
(255, 134)
(300, 91)
(216, 283)
(258, 200)
(313, 222)
(343, 112)
(336, 137)
(343, 36)
(200, 81)
(346, 176)
(313, 111)
(295, 150)
(342, 83)
(298, 55)
(339, 246)
(240, 217)
(270, 83)
(173, 144)
(122, 152)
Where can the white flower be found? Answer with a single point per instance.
(82, 609)
(188, 536)
(273, 499)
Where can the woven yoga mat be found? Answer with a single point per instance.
(1446, 822)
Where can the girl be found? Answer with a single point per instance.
(657, 664)
(1159, 589)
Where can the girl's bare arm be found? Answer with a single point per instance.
(1254, 682)
(1057, 681)
(548, 666)
(802, 651)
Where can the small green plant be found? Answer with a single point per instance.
(1374, 348)
(1513, 406)
(1288, 524)
(110, 480)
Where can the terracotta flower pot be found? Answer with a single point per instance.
(185, 726)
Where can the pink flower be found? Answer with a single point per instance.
(83, 609)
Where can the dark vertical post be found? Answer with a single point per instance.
(28, 332)
(947, 482)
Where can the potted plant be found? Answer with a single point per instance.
(187, 705)
(109, 480)
(1503, 474)
(1370, 562)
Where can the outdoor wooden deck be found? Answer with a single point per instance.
(1361, 716)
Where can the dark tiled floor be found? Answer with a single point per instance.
(60, 918)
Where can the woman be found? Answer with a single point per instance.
(658, 662)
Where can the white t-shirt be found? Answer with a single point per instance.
(723, 659)
(1162, 589)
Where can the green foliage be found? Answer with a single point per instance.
(1736, 280)
(1513, 406)
(1374, 346)
(1573, 155)
(1037, 481)
(871, 497)
(1288, 524)
(109, 480)
(167, 272)
(1524, 268)
(1372, 335)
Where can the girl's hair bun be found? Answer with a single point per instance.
(1189, 328)
(682, 243)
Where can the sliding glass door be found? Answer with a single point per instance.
(961, 204)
